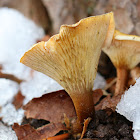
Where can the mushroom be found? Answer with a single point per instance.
(71, 58)
(124, 53)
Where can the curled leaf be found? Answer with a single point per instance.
(27, 132)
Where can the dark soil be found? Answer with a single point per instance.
(109, 126)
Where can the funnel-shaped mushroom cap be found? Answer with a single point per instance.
(71, 57)
(124, 50)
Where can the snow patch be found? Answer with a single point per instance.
(6, 133)
(99, 82)
(18, 34)
(10, 115)
(129, 106)
(8, 89)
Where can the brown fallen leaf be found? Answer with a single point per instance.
(50, 107)
(108, 102)
(27, 132)
(51, 129)
(53, 106)
(18, 100)
(10, 77)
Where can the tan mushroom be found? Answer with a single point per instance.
(71, 58)
(124, 53)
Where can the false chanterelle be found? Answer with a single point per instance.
(71, 58)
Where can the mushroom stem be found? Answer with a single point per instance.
(122, 77)
(84, 106)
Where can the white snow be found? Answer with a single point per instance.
(6, 133)
(18, 34)
(129, 106)
(39, 85)
(10, 115)
(99, 82)
(8, 89)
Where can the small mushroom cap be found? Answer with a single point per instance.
(71, 57)
(124, 50)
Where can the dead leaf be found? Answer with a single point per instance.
(86, 122)
(18, 100)
(50, 107)
(108, 102)
(27, 132)
(10, 77)
(105, 101)
(114, 101)
(51, 129)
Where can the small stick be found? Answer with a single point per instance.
(10, 77)
(85, 127)
(59, 137)
(110, 84)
